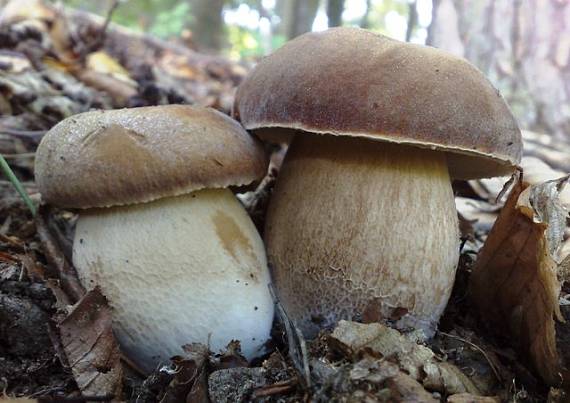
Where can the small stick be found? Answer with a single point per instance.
(56, 258)
(103, 31)
(275, 389)
(495, 371)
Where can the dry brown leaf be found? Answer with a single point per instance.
(514, 282)
(373, 370)
(537, 171)
(447, 378)
(404, 388)
(384, 340)
(119, 90)
(415, 359)
(90, 347)
(190, 382)
(231, 357)
(56, 258)
(20, 10)
(469, 398)
(103, 63)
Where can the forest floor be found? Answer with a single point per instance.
(56, 342)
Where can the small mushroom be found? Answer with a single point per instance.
(362, 220)
(159, 231)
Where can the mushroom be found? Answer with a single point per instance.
(362, 220)
(159, 231)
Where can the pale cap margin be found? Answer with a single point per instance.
(129, 156)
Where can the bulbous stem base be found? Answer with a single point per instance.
(178, 270)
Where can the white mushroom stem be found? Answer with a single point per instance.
(356, 225)
(178, 270)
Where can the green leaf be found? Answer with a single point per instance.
(19, 188)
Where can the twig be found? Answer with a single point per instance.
(108, 19)
(64, 243)
(55, 257)
(274, 389)
(295, 340)
(103, 31)
(495, 370)
(19, 188)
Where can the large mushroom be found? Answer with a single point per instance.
(159, 231)
(362, 220)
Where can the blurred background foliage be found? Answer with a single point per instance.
(522, 46)
(252, 28)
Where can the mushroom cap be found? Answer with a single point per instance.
(128, 156)
(352, 82)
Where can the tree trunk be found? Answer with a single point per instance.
(412, 19)
(334, 12)
(522, 46)
(298, 16)
(365, 21)
(207, 24)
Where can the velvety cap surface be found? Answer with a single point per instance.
(127, 156)
(349, 81)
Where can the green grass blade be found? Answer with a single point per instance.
(19, 188)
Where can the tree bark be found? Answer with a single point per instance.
(365, 21)
(412, 19)
(207, 24)
(298, 16)
(334, 12)
(522, 46)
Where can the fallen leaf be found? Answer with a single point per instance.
(389, 342)
(231, 357)
(91, 349)
(406, 389)
(537, 171)
(514, 284)
(103, 63)
(369, 379)
(373, 370)
(447, 378)
(119, 90)
(414, 359)
(469, 398)
(190, 380)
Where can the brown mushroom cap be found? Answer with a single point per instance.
(351, 82)
(118, 157)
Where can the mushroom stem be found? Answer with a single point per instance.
(178, 270)
(356, 225)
